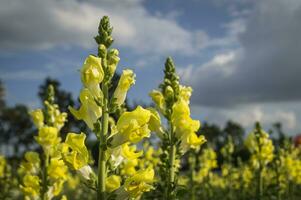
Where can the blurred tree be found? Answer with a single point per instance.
(16, 130)
(214, 135)
(236, 131)
(2, 95)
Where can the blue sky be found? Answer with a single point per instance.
(240, 56)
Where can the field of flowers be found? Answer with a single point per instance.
(146, 153)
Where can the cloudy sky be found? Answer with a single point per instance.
(242, 57)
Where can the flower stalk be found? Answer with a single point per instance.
(101, 195)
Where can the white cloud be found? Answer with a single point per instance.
(265, 66)
(247, 115)
(46, 24)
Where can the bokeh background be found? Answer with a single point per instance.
(242, 57)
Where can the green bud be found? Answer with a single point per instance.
(102, 51)
(169, 93)
(113, 60)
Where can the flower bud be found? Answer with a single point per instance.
(169, 93)
(113, 60)
(102, 51)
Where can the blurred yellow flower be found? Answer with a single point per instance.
(37, 117)
(112, 183)
(47, 136)
(31, 185)
(139, 183)
(2, 165)
(57, 169)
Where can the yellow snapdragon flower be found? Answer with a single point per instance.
(31, 163)
(185, 127)
(56, 188)
(126, 80)
(129, 167)
(37, 117)
(139, 183)
(78, 157)
(47, 136)
(57, 169)
(123, 152)
(191, 140)
(92, 75)
(159, 100)
(132, 126)
(262, 148)
(185, 93)
(208, 161)
(112, 183)
(155, 122)
(89, 110)
(129, 152)
(56, 117)
(31, 185)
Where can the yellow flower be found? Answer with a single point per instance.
(155, 122)
(185, 93)
(48, 136)
(129, 152)
(2, 165)
(261, 147)
(132, 126)
(31, 185)
(37, 117)
(60, 119)
(64, 197)
(124, 152)
(126, 80)
(159, 100)
(78, 157)
(32, 163)
(208, 161)
(92, 74)
(129, 167)
(57, 169)
(56, 188)
(73, 182)
(139, 183)
(89, 110)
(180, 109)
(55, 116)
(185, 127)
(112, 183)
(191, 140)
(113, 60)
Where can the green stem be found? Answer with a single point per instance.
(101, 195)
(192, 175)
(172, 169)
(259, 183)
(44, 177)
